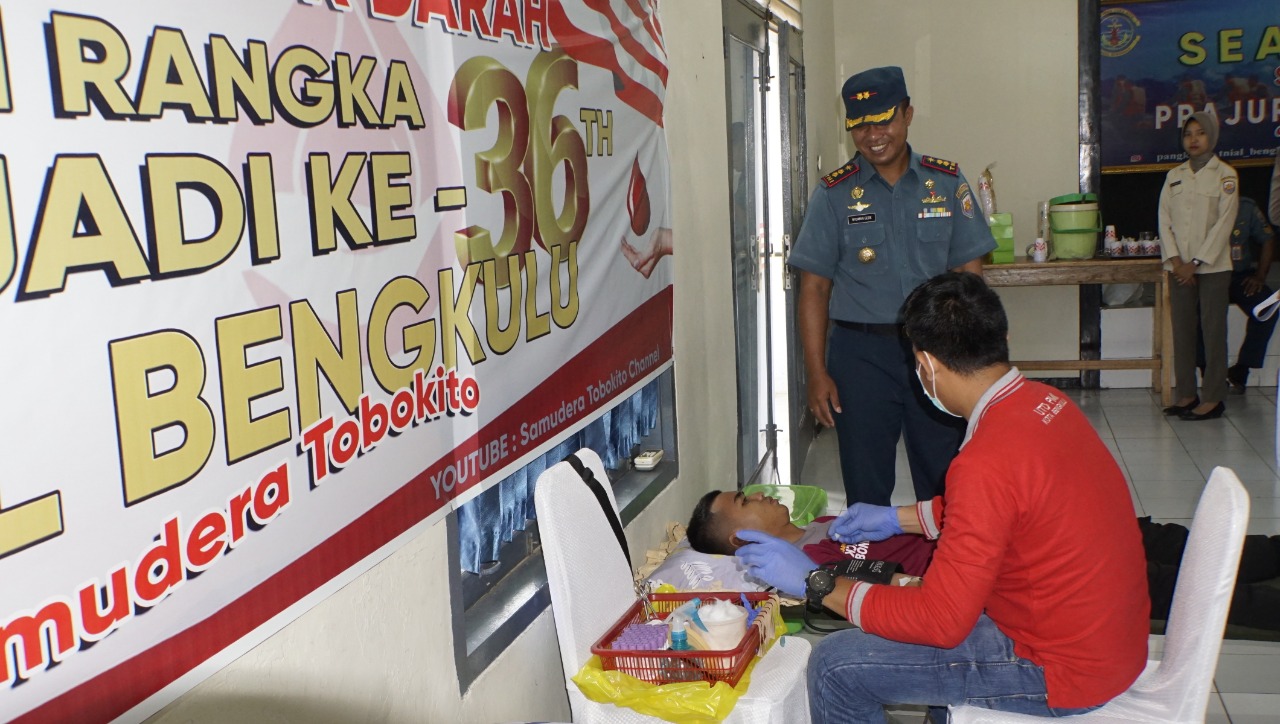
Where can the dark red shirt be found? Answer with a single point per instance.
(911, 552)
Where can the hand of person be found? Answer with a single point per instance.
(1253, 285)
(863, 522)
(775, 561)
(645, 261)
(823, 398)
(1185, 273)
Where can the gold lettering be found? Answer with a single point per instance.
(501, 339)
(314, 353)
(142, 410)
(82, 225)
(331, 208)
(1193, 52)
(172, 252)
(169, 57)
(78, 69)
(390, 197)
(418, 339)
(455, 325)
(240, 83)
(242, 383)
(264, 227)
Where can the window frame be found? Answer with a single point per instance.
(508, 607)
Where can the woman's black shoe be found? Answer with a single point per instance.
(1180, 409)
(1216, 411)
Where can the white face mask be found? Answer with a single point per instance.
(933, 397)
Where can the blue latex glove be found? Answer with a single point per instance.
(775, 561)
(863, 521)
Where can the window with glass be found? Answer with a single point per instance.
(498, 584)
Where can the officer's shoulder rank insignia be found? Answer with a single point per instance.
(940, 164)
(840, 174)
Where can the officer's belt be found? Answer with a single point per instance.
(884, 330)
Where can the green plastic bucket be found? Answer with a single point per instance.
(1075, 229)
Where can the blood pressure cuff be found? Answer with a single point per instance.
(864, 570)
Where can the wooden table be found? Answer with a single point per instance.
(1024, 273)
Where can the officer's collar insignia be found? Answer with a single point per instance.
(857, 192)
(840, 174)
(929, 184)
(940, 164)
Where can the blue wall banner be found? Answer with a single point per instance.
(1166, 59)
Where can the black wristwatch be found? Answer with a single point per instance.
(817, 585)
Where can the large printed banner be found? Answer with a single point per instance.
(283, 282)
(1166, 59)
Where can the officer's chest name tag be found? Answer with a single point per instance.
(861, 218)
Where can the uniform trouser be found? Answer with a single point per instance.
(1203, 306)
(881, 400)
(1257, 335)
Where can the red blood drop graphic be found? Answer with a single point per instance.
(638, 200)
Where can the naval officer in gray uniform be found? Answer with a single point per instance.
(876, 228)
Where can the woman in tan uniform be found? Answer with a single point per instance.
(1197, 211)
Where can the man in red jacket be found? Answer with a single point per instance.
(1036, 598)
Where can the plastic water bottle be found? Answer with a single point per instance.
(679, 639)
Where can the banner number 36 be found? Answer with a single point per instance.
(530, 145)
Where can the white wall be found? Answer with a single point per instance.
(994, 81)
(381, 649)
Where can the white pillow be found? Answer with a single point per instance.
(689, 570)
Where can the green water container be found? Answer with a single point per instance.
(1075, 222)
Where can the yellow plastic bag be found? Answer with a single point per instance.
(692, 702)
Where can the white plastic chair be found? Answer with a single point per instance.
(1175, 689)
(591, 587)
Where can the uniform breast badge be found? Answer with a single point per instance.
(866, 255)
(856, 193)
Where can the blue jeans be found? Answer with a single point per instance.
(853, 674)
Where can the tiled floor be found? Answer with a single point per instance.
(1167, 462)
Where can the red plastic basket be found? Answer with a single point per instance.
(665, 667)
